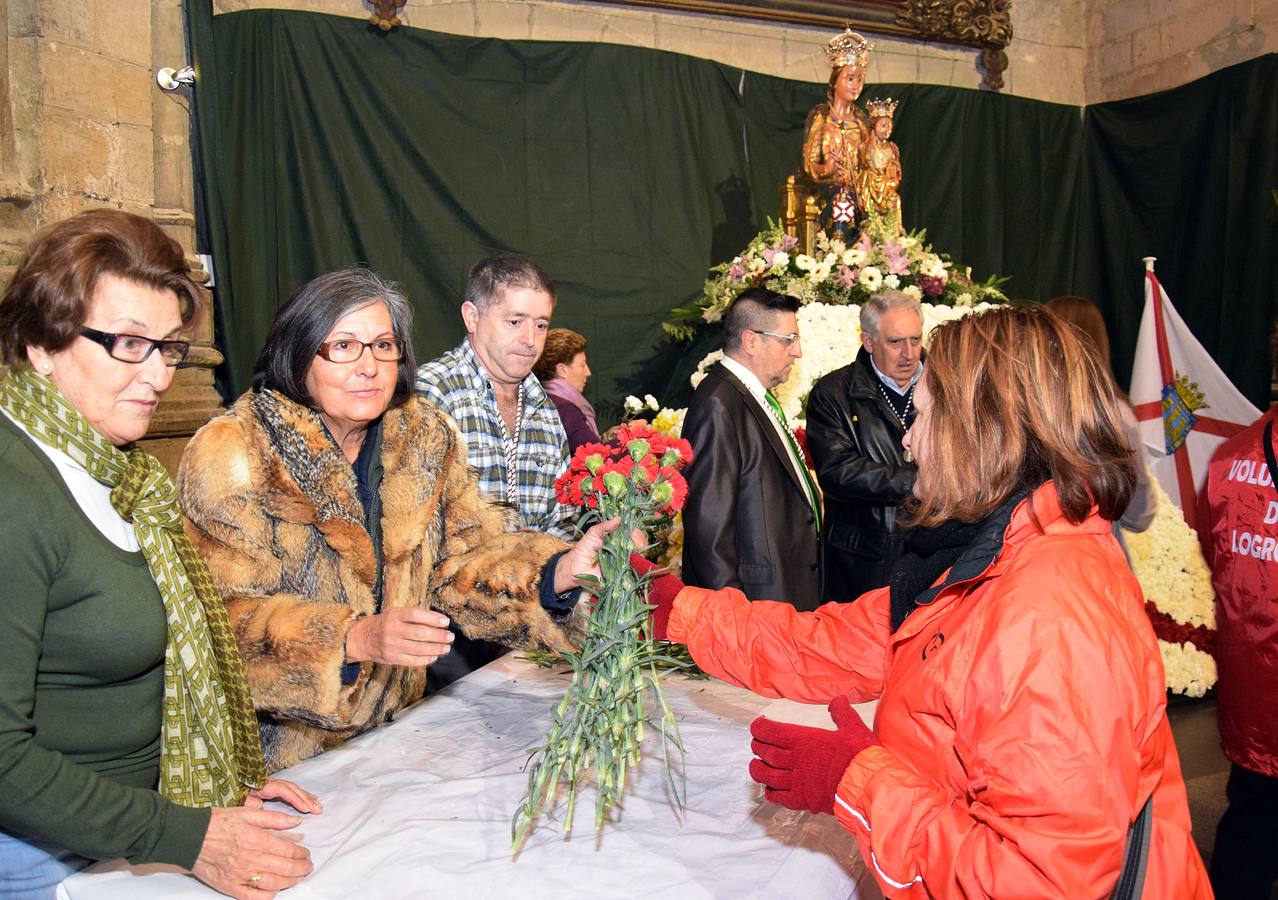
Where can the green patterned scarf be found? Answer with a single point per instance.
(212, 753)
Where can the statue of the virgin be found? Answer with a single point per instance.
(836, 134)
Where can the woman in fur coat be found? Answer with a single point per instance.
(341, 522)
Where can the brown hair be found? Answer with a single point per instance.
(1018, 397)
(1084, 315)
(47, 299)
(492, 274)
(562, 346)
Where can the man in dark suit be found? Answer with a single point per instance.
(752, 520)
(857, 416)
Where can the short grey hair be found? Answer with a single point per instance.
(301, 324)
(883, 302)
(502, 270)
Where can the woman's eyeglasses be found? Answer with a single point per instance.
(348, 350)
(133, 348)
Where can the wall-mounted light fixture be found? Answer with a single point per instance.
(171, 79)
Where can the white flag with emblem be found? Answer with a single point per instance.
(1184, 402)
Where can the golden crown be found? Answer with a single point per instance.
(1189, 392)
(880, 108)
(849, 48)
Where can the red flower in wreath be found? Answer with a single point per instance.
(801, 438)
(931, 286)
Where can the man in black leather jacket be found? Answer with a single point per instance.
(857, 416)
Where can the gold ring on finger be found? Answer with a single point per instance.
(254, 879)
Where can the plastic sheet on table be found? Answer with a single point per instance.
(423, 806)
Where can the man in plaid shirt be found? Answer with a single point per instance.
(514, 436)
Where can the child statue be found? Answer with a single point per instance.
(879, 175)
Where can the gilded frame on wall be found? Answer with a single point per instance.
(983, 24)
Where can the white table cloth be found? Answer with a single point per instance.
(422, 807)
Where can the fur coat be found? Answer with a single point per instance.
(273, 507)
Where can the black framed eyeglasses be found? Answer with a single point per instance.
(783, 338)
(348, 350)
(133, 348)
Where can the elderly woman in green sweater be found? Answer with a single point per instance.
(125, 724)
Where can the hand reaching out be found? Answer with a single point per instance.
(800, 767)
(582, 559)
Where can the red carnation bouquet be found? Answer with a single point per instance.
(656, 457)
(600, 722)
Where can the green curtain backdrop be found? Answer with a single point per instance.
(418, 153)
(625, 172)
(1188, 176)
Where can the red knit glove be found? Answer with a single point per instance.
(662, 591)
(800, 767)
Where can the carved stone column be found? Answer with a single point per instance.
(191, 400)
(83, 124)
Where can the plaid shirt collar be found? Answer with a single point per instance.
(479, 381)
(458, 383)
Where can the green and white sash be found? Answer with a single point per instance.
(211, 753)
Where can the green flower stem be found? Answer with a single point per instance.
(599, 724)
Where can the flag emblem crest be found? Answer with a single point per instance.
(843, 209)
(1181, 397)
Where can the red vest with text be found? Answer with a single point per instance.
(1242, 517)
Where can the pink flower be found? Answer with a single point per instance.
(789, 242)
(846, 276)
(769, 254)
(736, 272)
(864, 244)
(897, 262)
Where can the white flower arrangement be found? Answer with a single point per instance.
(1188, 670)
(1168, 562)
(836, 273)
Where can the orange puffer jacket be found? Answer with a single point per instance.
(1021, 716)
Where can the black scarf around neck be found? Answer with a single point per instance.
(966, 549)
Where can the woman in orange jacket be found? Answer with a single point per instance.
(1020, 746)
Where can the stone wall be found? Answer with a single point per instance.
(82, 125)
(1139, 46)
(1046, 55)
(1072, 51)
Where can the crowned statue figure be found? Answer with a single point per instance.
(839, 142)
(879, 174)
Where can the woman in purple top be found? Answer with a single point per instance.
(563, 371)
